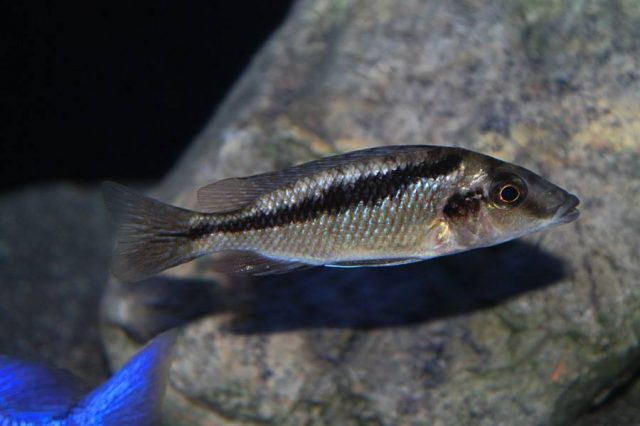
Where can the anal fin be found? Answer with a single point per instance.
(245, 262)
(373, 262)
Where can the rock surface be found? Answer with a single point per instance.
(529, 333)
(622, 408)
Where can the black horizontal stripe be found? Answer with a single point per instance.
(367, 190)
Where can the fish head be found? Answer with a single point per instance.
(501, 201)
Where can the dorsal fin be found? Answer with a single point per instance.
(236, 193)
(228, 195)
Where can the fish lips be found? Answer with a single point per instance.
(567, 212)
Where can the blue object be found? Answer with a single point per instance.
(31, 394)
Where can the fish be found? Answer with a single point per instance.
(32, 394)
(381, 206)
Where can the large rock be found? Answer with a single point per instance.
(528, 333)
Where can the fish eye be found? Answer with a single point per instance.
(508, 190)
(509, 193)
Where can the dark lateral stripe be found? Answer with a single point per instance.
(368, 190)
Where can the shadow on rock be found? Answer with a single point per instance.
(368, 298)
(361, 298)
(147, 308)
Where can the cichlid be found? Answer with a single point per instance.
(380, 206)
(34, 395)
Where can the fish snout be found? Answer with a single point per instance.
(567, 211)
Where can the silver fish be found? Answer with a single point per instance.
(380, 206)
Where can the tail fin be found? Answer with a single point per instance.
(151, 237)
(134, 394)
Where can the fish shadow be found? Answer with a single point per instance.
(356, 298)
(371, 298)
(149, 307)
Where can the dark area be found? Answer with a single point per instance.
(388, 297)
(361, 298)
(161, 303)
(621, 405)
(52, 274)
(619, 390)
(95, 90)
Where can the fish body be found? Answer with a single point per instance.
(380, 206)
(34, 395)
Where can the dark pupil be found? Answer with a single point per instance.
(509, 194)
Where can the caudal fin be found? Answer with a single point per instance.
(151, 236)
(134, 394)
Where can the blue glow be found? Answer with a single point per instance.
(31, 394)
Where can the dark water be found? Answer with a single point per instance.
(97, 90)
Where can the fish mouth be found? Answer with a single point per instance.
(568, 212)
